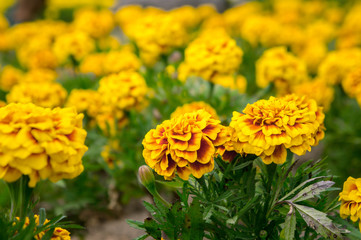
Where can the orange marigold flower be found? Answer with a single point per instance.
(58, 234)
(268, 127)
(40, 142)
(194, 106)
(185, 144)
(350, 198)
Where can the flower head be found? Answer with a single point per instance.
(318, 90)
(194, 106)
(84, 100)
(40, 142)
(351, 84)
(268, 127)
(281, 68)
(124, 91)
(47, 94)
(209, 56)
(9, 77)
(185, 144)
(350, 198)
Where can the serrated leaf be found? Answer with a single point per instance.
(299, 187)
(312, 191)
(208, 212)
(152, 228)
(288, 232)
(135, 224)
(319, 222)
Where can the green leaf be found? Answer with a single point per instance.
(48, 234)
(171, 184)
(312, 191)
(152, 228)
(243, 165)
(135, 224)
(42, 216)
(232, 221)
(319, 222)
(143, 237)
(288, 232)
(299, 187)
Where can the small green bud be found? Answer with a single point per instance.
(263, 234)
(146, 176)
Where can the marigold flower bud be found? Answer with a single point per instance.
(146, 175)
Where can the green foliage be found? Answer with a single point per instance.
(246, 199)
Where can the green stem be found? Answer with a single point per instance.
(211, 90)
(161, 199)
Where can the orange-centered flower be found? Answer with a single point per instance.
(185, 144)
(268, 127)
(350, 198)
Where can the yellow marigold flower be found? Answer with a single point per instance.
(84, 100)
(264, 30)
(268, 127)
(288, 12)
(156, 34)
(96, 23)
(185, 144)
(40, 75)
(9, 77)
(126, 15)
(37, 53)
(108, 43)
(40, 142)
(73, 44)
(110, 119)
(208, 56)
(238, 82)
(312, 52)
(350, 198)
(193, 107)
(351, 84)
(246, 10)
(4, 24)
(46, 94)
(2, 104)
(321, 30)
(124, 91)
(318, 90)
(283, 69)
(58, 234)
(186, 15)
(93, 63)
(339, 63)
(206, 10)
(128, 62)
(107, 153)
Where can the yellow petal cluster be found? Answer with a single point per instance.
(351, 84)
(9, 77)
(40, 75)
(84, 101)
(267, 128)
(93, 63)
(318, 90)
(58, 234)
(350, 198)
(74, 44)
(40, 142)
(238, 82)
(124, 91)
(96, 23)
(193, 107)
(211, 54)
(283, 69)
(338, 64)
(44, 94)
(155, 34)
(184, 145)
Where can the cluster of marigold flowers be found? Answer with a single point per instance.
(188, 142)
